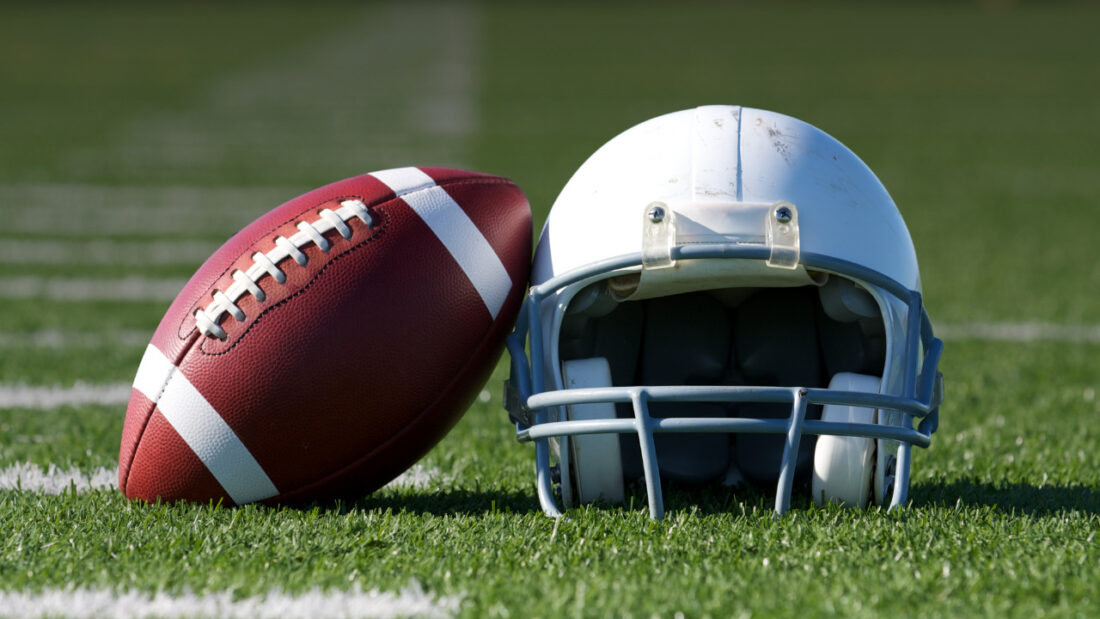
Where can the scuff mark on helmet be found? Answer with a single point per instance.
(779, 144)
(780, 141)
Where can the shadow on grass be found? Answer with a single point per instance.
(702, 500)
(436, 503)
(1013, 498)
(1009, 498)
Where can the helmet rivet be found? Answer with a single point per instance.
(783, 215)
(656, 213)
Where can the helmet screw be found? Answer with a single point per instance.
(656, 213)
(783, 215)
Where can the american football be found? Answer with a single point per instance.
(328, 345)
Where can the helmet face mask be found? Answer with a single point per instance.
(712, 290)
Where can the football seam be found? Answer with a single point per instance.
(378, 233)
(370, 205)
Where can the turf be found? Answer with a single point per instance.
(982, 122)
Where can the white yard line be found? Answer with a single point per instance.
(53, 396)
(52, 480)
(396, 85)
(135, 221)
(80, 393)
(1020, 332)
(355, 105)
(90, 210)
(412, 601)
(32, 478)
(131, 288)
(986, 331)
(44, 397)
(85, 197)
(62, 340)
(420, 478)
(106, 252)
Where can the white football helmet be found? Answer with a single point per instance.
(711, 286)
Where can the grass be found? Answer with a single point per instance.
(696, 562)
(983, 124)
(74, 85)
(1004, 521)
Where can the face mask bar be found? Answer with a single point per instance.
(527, 399)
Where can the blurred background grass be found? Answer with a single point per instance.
(158, 123)
(981, 120)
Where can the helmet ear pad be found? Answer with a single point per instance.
(775, 336)
(592, 468)
(843, 465)
(686, 341)
(615, 335)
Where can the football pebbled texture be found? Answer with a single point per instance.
(285, 373)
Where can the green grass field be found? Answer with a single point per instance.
(140, 127)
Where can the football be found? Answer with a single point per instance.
(328, 345)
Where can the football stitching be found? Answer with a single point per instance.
(194, 305)
(246, 282)
(379, 232)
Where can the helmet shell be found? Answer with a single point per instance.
(723, 155)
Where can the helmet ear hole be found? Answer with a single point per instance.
(853, 334)
(886, 459)
(843, 464)
(592, 466)
(844, 301)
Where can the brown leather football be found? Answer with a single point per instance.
(331, 343)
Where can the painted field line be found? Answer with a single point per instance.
(81, 393)
(136, 221)
(131, 288)
(1020, 332)
(40, 397)
(105, 251)
(134, 211)
(412, 601)
(379, 109)
(46, 397)
(30, 477)
(420, 478)
(66, 340)
(203, 200)
(1006, 332)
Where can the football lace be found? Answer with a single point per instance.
(247, 282)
